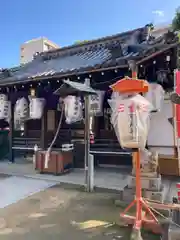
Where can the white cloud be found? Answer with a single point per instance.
(158, 13)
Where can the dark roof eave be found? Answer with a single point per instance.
(9, 82)
(157, 53)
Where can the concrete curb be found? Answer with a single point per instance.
(66, 184)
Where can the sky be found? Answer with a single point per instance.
(67, 21)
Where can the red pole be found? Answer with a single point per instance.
(138, 190)
(134, 75)
(178, 190)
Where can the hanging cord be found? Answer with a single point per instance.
(158, 213)
(48, 152)
(94, 85)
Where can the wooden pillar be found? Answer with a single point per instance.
(25, 129)
(11, 135)
(56, 119)
(44, 140)
(96, 127)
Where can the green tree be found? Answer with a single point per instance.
(176, 21)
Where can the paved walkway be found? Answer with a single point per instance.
(107, 179)
(13, 188)
(112, 179)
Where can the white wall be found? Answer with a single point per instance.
(29, 49)
(161, 131)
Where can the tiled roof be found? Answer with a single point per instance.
(74, 63)
(103, 53)
(40, 67)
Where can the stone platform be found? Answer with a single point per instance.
(127, 195)
(152, 188)
(153, 183)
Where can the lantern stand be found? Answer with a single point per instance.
(84, 90)
(131, 86)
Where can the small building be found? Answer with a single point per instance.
(103, 61)
(35, 46)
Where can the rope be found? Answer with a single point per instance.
(160, 214)
(47, 156)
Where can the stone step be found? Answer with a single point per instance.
(159, 196)
(128, 194)
(146, 174)
(153, 183)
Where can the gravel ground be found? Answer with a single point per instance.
(66, 214)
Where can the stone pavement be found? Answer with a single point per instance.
(14, 188)
(112, 179)
(68, 214)
(106, 179)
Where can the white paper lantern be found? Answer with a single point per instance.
(4, 107)
(132, 122)
(73, 109)
(21, 109)
(155, 96)
(3, 97)
(36, 107)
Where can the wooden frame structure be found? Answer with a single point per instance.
(102, 71)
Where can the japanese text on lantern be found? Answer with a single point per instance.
(132, 121)
(141, 107)
(94, 103)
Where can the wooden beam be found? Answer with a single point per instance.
(157, 53)
(163, 206)
(11, 135)
(43, 141)
(69, 74)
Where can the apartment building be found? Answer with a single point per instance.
(31, 47)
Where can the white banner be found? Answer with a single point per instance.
(96, 103)
(155, 96)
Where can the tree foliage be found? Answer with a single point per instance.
(176, 21)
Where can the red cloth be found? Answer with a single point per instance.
(177, 89)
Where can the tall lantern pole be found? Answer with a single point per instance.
(132, 86)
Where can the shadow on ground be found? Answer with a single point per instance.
(63, 214)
